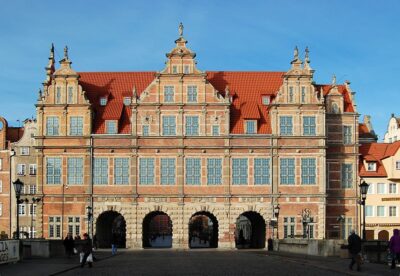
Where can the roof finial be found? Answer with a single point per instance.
(52, 50)
(334, 80)
(306, 58)
(66, 52)
(296, 53)
(40, 95)
(180, 29)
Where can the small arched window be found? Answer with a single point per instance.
(335, 108)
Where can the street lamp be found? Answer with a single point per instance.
(276, 213)
(89, 216)
(18, 185)
(363, 190)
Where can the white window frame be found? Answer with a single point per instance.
(111, 125)
(121, 170)
(100, 170)
(146, 130)
(391, 189)
(380, 208)
(193, 171)
(75, 170)
(21, 169)
(390, 208)
(266, 100)
(192, 93)
(169, 93)
(24, 150)
(347, 135)
(74, 224)
(54, 226)
(371, 166)
(251, 126)
(32, 169)
(379, 191)
(167, 171)
(103, 101)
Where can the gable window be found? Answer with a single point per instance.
(308, 168)
(121, 171)
(287, 171)
(75, 170)
(192, 94)
(186, 69)
(53, 170)
(347, 135)
(167, 171)
(214, 171)
(21, 169)
(347, 175)
(215, 130)
(251, 126)
(309, 125)
(24, 150)
(174, 69)
(286, 125)
(127, 101)
(392, 188)
(239, 171)
(58, 95)
(192, 125)
(261, 171)
(145, 130)
(193, 171)
(371, 166)
(290, 94)
(70, 95)
(111, 127)
(52, 126)
(265, 100)
(398, 165)
(381, 188)
(146, 171)
(169, 125)
(168, 94)
(100, 171)
(335, 108)
(303, 94)
(103, 101)
(76, 126)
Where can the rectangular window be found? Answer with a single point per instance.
(287, 171)
(308, 171)
(392, 188)
(192, 94)
(121, 171)
(193, 171)
(32, 209)
(261, 171)
(265, 100)
(1, 164)
(168, 94)
(74, 226)
(145, 130)
(1, 186)
(21, 169)
(24, 150)
(215, 130)
(55, 227)
(347, 135)
(53, 170)
(380, 211)
(381, 188)
(303, 94)
(174, 69)
(214, 171)
(103, 101)
(186, 69)
(76, 126)
(290, 94)
(309, 125)
(286, 125)
(397, 165)
(75, 170)
(21, 209)
(52, 126)
(169, 125)
(371, 166)
(111, 127)
(100, 171)
(192, 125)
(32, 169)
(32, 189)
(392, 211)
(167, 171)
(146, 171)
(369, 211)
(127, 101)
(58, 95)
(289, 226)
(251, 127)
(70, 95)
(346, 227)
(239, 171)
(1, 209)
(347, 175)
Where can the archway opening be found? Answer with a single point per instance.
(157, 230)
(250, 231)
(107, 224)
(203, 230)
(383, 235)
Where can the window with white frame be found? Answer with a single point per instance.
(54, 227)
(398, 165)
(261, 171)
(308, 171)
(192, 125)
(53, 170)
(251, 126)
(309, 125)
(21, 169)
(192, 94)
(286, 125)
(290, 100)
(103, 101)
(74, 226)
(111, 127)
(146, 171)
(186, 69)
(32, 232)
(371, 166)
(239, 171)
(32, 169)
(70, 95)
(22, 209)
(52, 126)
(32, 209)
(145, 130)
(289, 227)
(371, 188)
(193, 171)
(75, 170)
(369, 211)
(347, 175)
(381, 188)
(265, 100)
(32, 189)
(127, 101)
(214, 171)
(24, 150)
(392, 211)
(1, 209)
(215, 130)
(169, 125)
(392, 188)
(347, 135)
(76, 126)
(167, 171)
(346, 227)
(121, 171)
(1, 164)
(380, 211)
(168, 94)
(287, 171)
(100, 171)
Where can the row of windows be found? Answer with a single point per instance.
(382, 188)
(289, 228)
(71, 99)
(21, 169)
(73, 226)
(53, 125)
(381, 211)
(27, 232)
(27, 209)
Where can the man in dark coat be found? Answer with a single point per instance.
(86, 250)
(354, 249)
(69, 245)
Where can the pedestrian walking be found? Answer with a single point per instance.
(86, 252)
(354, 250)
(114, 242)
(69, 245)
(394, 247)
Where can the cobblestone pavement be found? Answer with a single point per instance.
(195, 262)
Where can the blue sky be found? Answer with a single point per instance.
(356, 40)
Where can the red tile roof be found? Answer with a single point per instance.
(364, 132)
(348, 105)
(376, 152)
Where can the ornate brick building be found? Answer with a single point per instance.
(182, 144)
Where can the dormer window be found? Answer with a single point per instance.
(371, 166)
(127, 101)
(111, 127)
(251, 126)
(103, 101)
(265, 100)
(335, 108)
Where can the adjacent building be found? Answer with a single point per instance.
(393, 131)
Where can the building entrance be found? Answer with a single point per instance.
(107, 223)
(203, 231)
(250, 231)
(157, 231)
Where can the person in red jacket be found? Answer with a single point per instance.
(394, 246)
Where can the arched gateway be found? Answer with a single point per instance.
(157, 230)
(203, 230)
(250, 231)
(107, 223)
